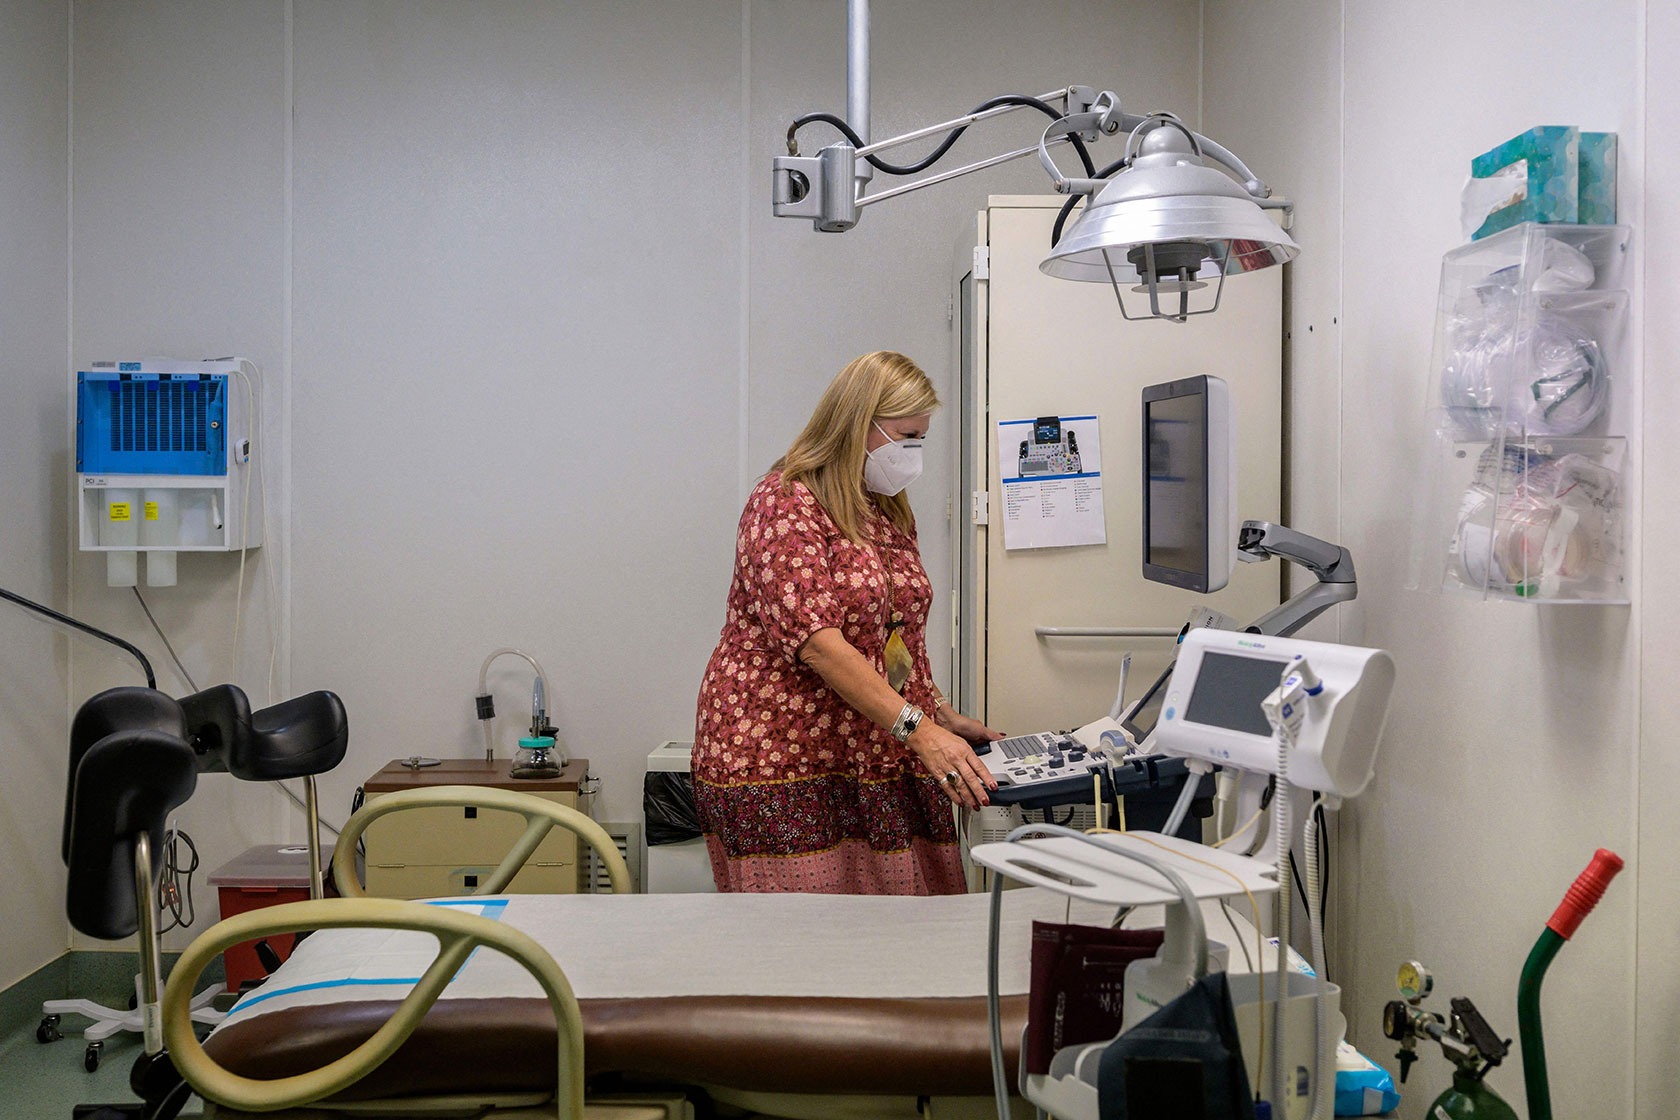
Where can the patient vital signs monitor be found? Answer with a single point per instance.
(1190, 488)
(1212, 708)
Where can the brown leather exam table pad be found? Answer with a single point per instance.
(773, 993)
(766, 1044)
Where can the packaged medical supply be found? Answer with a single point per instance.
(1533, 524)
(1520, 367)
(1555, 174)
(1598, 179)
(1543, 169)
(1363, 1088)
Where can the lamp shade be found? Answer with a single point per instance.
(1170, 199)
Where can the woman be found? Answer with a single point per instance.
(825, 759)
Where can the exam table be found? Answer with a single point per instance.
(799, 1006)
(780, 1003)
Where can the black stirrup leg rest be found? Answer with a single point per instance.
(115, 709)
(217, 719)
(126, 783)
(293, 739)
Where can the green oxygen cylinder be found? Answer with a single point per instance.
(1470, 1099)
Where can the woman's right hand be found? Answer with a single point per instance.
(943, 754)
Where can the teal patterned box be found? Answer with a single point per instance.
(1598, 179)
(1548, 160)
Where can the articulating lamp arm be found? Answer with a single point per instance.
(827, 187)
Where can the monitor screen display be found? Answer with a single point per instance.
(1176, 518)
(1229, 690)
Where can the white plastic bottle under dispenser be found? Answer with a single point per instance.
(119, 527)
(160, 534)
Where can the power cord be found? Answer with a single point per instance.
(65, 620)
(175, 886)
(173, 656)
(944, 145)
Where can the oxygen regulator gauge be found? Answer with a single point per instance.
(1415, 982)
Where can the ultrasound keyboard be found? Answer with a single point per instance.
(1046, 763)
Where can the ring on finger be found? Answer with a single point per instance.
(952, 778)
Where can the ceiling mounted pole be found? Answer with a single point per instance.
(857, 80)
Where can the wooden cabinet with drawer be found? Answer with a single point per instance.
(442, 852)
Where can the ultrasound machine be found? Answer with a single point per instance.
(1192, 539)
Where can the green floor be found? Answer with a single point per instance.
(45, 1081)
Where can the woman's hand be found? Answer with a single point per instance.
(943, 753)
(971, 729)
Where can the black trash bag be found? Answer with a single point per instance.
(668, 808)
(1182, 1063)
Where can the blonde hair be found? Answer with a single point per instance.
(828, 455)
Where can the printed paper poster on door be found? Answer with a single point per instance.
(1051, 471)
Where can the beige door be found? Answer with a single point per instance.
(1054, 347)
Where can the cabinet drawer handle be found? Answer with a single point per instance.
(470, 812)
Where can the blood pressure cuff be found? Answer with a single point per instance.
(1078, 981)
(1182, 1063)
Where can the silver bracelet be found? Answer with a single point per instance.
(909, 718)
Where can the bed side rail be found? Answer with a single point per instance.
(540, 818)
(458, 934)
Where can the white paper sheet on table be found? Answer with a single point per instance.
(645, 946)
(1052, 510)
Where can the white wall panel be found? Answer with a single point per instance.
(516, 270)
(1657, 1021)
(1513, 746)
(178, 218)
(34, 728)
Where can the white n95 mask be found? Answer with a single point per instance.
(894, 465)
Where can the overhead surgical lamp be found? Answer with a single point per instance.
(1162, 222)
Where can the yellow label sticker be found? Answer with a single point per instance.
(119, 511)
(151, 511)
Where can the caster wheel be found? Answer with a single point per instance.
(48, 1030)
(90, 1059)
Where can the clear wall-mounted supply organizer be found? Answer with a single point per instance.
(1523, 494)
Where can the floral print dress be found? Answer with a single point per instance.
(796, 790)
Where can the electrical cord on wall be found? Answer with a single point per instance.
(244, 526)
(268, 536)
(254, 446)
(65, 620)
(173, 656)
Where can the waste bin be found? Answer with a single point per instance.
(258, 877)
(674, 856)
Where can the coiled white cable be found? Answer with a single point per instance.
(1282, 839)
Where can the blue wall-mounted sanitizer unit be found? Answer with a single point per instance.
(162, 448)
(151, 423)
